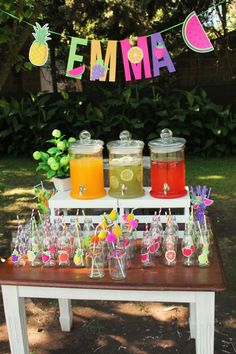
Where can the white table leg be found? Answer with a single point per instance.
(192, 319)
(66, 315)
(205, 318)
(14, 308)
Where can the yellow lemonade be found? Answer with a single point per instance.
(126, 177)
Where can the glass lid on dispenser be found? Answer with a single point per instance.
(125, 145)
(167, 142)
(86, 145)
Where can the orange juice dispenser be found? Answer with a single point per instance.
(126, 167)
(167, 166)
(86, 168)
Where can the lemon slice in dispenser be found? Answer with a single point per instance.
(126, 175)
(114, 182)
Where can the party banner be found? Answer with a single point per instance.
(142, 58)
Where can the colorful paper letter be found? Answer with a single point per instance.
(73, 56)
(110, 58)
(137, 68)
(166, 61)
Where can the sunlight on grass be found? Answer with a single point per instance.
(210, 177)
(18, 191)
(230, 323)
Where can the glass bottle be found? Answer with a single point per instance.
(147, 257)
(117, 263)
(95, 262)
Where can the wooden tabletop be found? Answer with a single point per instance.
(161, 277)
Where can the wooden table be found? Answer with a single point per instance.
(162, 284)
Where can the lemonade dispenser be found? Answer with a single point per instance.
(126, 167)
(86, 168)
(167, 166)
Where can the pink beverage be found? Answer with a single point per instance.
(168, 179)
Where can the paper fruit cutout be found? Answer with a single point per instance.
(203, 259)
(77, 71)
(170, 256)
(195, 36)
(154, 247)
(31, 255)
(38, 53)
(46, 257)
(144, 257)
(187, 252)
(63, 256)
(15, 256)
(78, 257)
(98, 70)
(159, 51)
(135, 55)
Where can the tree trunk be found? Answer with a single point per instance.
(13, 50)
(53, 66)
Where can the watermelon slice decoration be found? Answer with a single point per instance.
(144, 257)
(77, 71)
(195, 36)
(154, 247)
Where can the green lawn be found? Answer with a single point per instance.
(17, 179)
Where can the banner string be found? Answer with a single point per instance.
(102, 40)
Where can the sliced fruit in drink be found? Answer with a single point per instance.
(126, 175)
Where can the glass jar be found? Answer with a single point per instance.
(86, 168)
(167, 166)
(117, 263)
(126, 167)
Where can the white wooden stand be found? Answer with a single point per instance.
(63, 202)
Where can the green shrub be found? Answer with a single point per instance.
(143, 108)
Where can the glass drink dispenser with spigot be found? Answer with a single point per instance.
(86, 168)
(126, 167)
(167, 166)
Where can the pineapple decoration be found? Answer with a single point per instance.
(38, 53)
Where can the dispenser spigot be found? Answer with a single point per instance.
(123, 189)
(82, 189)
(166, 188)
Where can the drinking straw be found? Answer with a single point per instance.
(200, 230)
(209, 192)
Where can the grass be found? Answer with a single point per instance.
(17, 179)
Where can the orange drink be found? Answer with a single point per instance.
(87, 178)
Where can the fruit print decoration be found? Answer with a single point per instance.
(159, 51)
(135, 55)
(195, 36)
(38, 53)
(98, 70)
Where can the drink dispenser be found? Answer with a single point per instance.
(167, 166)
(86, 168)
(126, 167)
